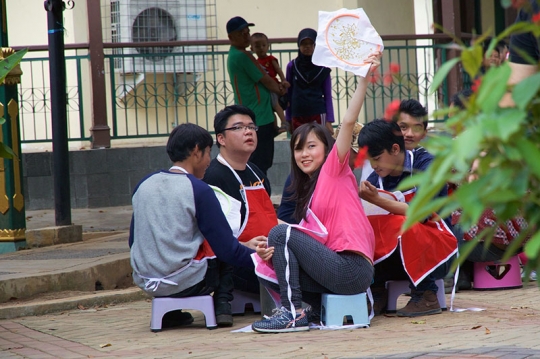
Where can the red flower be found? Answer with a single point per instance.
(360, 157)
(387, 79)
(394, 68)
(516, 4)
(536, 18)
(476, 85)
(391, 110)
(374, 77)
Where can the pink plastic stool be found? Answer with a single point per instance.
(497, 275)
(160, 306)
(238, 305)
(398, 287)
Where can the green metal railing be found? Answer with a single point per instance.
(151, 104)
(34, 100)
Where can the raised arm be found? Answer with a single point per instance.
(343, 141)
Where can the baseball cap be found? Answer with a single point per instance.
(237, 23)
(356, 131)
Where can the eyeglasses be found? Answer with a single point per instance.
(239, 128)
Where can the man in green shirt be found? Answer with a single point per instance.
(252, 87)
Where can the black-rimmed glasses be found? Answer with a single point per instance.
(239, 128)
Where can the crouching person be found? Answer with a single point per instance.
(424, 252)
(178, 228)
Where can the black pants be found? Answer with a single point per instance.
(314, 269)
(232, 277)
(392, 269)
(206, 286)
(263, 156)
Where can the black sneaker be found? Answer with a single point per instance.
(282, 321)
(176, 318)
(313, 316)
(380, 300)
(224, 316)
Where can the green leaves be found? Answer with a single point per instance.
(506, 3)
(442, 73)
(6, 152)
(502, 143)
(6, 66)
(494, 87)
(531, 154)
(524, 91)
(10, 62)
(472, 60)
(500, 125)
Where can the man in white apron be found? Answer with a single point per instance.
(231, 171)
(178, 227)
(423, 253)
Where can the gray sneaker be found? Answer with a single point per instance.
(282, 321)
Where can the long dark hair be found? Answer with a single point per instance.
(302, 185)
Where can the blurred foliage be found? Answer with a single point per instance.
(505, 142)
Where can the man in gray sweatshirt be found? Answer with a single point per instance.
(178, 228)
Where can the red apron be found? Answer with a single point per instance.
(260, 215)
(424, 246)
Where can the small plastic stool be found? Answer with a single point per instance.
(238, 305)
(163, 305)
(497, 275)
(335, 307)
(398, 287)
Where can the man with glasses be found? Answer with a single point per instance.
(252, 87)
(231, 171)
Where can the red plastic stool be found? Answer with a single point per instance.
(497, 275)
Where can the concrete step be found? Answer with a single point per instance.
(63, 301)
(101, 262)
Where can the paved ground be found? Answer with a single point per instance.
(508, 328)
(92, 219)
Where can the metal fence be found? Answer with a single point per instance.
(150, 93)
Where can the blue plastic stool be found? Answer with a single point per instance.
(335, 307)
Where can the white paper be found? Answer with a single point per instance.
(345, 39)
(371, 209)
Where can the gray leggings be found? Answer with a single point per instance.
(314, 269)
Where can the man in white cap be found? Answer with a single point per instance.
(252, 87)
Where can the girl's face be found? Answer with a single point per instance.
(311, 156)
(307, 47)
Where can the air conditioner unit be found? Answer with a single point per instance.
(159, 20)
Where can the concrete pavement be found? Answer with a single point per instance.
(508, 328)
(114, 323)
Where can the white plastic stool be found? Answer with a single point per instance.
(160, 306)
(399, 287)
(238, 305)
(335, 307)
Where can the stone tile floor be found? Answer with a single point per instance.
(508, 328)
